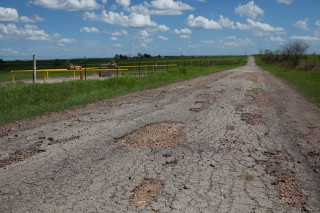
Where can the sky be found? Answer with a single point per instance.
(67, 29)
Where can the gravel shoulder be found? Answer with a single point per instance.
(234, 141)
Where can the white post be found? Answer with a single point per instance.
(34, 68)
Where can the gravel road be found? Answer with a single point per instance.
(234, 141)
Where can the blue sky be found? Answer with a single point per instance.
(102, 28)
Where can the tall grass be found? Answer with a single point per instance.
(27, 101)
(307, 82)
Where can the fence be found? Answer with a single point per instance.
(120, 70)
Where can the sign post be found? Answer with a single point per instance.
(34, 68)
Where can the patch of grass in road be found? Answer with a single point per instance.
(230, 128)
(307, 82)
(22, 101)
(246, 177)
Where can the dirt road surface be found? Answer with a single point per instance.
(235, 141)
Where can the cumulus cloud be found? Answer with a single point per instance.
(26, 19)
(160, 7)
(302, 24)
(225, 22)
(170, 5)
(250, 10)
(62, 42)
(69, 5)
(113, 38)
(317, 23)
(185, 36)
(258, 28)
(119, 33)
(162, 28)
(277, 39)
(162, 38)
(182, 31)
(305, 38)
(28, 32)
(202, 23)
(123, 3)
(8, 15)
(288, 2)
(133, 20)
(89, 30)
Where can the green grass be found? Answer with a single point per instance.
(307, 82)
(23, 101)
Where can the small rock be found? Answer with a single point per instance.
(50, 138)
(186, 186)
(212, 165)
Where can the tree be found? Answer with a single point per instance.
(294, 50)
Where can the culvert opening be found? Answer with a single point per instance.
(165, 134)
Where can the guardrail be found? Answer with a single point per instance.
(120, 70)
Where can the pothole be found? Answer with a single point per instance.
(252, 119)
(20, 155)
(155, 135)
(286, 183)
(63, 140)
(196, 109)
(209, 96)
(146, 193)
(203, 103)
(171, 164)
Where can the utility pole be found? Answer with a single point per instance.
(34, 68)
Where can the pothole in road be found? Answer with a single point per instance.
(196, 109)
(171, 164)
(20, 155)
(209, 96)
(287, 184)
(155, 135)
(252, 119)
(203, 103)
(146, 193)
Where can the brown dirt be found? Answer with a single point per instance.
(252, 119)
(146, 193)
(20, 155)
(287, 184)
(155, 135)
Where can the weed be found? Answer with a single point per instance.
(246, 177)
(230, 128)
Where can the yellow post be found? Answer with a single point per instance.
(44, 77)
(12, 76)
(145, 70)
(94, 73)
(47, 75)
(74, 74)
(124, 74)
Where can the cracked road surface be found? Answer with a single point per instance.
(234, 141)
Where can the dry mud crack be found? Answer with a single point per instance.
(235, 141)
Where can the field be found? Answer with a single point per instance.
(307, 82)
(21, 101)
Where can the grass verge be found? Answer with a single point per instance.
(307, 82)
(28, 101)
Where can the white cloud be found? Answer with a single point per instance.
(225, 22)
(104, 1)
(8, 51)
(251, 10)
(69, 5)
(288, 2)
(26, 19)
(8, 15)
(317, 23)
(162, 28)
(231, 37)
(302, 24)
(62, 42)
(208, 42)
(238, 43)
(258, 28)
(123, 3)
(89, 30)
(119, 33)
(160, 7)
(277, 39)
(305, 38)
(170, 5)
(182, 31)
(28, 32)
(202, 23)
(113, 38)
(143, 33)
(133, 20)
(185, 36)
(117, 45)
(162, 38)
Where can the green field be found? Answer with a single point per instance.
(307, 82)
(23, 101)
